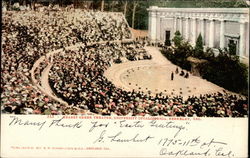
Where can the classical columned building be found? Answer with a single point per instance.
(217, 26)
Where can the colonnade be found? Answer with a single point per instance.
(190, 33)
(194, 21)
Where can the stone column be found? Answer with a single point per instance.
(149, 24)
(180, 29)
(194, 29)
(242, 39)
(222, 34)
(175, 24)
(187, 29)
(162, 28)
(153, 26)
(202, 30)
(158, 27)
(211, 34)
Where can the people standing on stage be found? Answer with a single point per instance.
(177, 70)
(182, 73)
(172, 76)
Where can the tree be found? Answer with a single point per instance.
(111, 5)
(125, 8)
(75, 3)
(241, 3)
(60, 2)
(102, 5)
(198, 51)
(199, 43)
(33, 4)
(135, 3)
(23, 2)
(177, 39)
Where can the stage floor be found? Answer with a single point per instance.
(155, 76)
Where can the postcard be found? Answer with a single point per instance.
(125, 78)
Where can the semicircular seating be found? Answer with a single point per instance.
(77, 75)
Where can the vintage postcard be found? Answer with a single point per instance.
(125, 78)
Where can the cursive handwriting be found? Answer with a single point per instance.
(220, 152)
(209, 152)
(181, 142)
(165, 151)
(59, 123)
(137, 138)
(194, 147)
(17, 121)
(168, 138)
(96, 124)
(211, 142)
(122, 138)
(168, 124)
(135, 124)
(101, 137)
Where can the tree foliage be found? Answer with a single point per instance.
(198, 51)
(141, 14)
(225, 70)
(178, 39)
(178, 55)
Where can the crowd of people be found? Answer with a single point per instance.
(29, 35)
(77, 76)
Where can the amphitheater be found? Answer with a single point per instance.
(155, 76)
(35, 89)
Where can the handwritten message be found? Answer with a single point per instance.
(135, 136)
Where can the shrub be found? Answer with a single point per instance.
(177, 39)
(179, 55)
(198, 51)
(224, 70)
